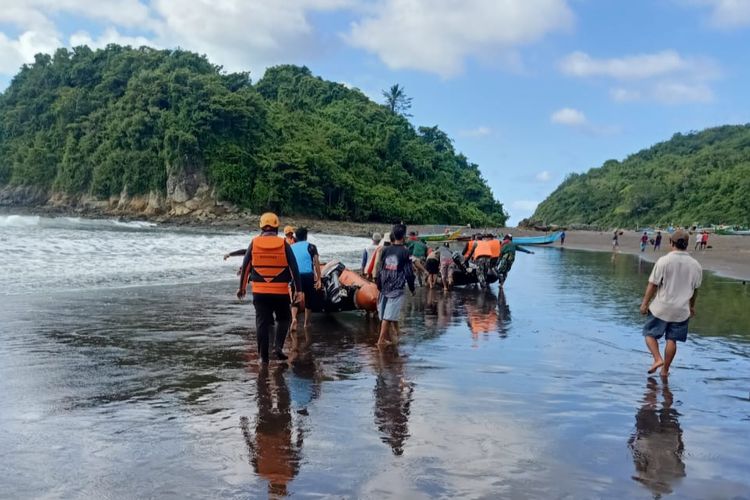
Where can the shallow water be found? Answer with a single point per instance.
(537, 392)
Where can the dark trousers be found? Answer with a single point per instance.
(266, 307)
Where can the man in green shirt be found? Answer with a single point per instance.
(508, 256)
(418, 253)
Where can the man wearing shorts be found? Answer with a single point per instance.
(394, 273)
(669, 300)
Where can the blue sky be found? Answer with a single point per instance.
(531, 90)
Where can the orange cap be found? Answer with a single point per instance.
(288, 229)
(269, 219)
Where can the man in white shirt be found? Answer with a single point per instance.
(669, 300)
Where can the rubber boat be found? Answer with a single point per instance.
(344, 290)
(464, 275)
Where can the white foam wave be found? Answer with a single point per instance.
(68, 253)
(19, 220)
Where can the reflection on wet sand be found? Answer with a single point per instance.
(488, 313)
(393, 397)
(274, 450)
(656, 444)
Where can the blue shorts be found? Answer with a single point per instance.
(657, 328)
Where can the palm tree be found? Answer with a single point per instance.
(396, 100)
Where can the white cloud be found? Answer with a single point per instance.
(666, 77)
(14, 53)
(437, 36)
(524, 205)
(635, 67)
(480, 131)
(238, 34)
(543, 176)
(568, 116)
(726, 14)
(110, 35)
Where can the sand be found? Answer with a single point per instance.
(728, 256)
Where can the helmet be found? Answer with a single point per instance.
(269, 219)
(287, 229)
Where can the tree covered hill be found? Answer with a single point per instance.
(701, 177)
(121, 122)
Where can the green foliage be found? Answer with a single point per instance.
(698, 178)
(124, 120)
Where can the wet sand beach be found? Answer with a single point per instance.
(536, 391)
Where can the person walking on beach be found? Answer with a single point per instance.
(289, 235)
(446, 265)
(669, 301)
(657, 241)
(432, 265)
(369, 253)
(704, 240)
(644, 241)
(308, 263)
(562, 238)
(270, 266)
(615, 241)
(395, 272)
(418, 251)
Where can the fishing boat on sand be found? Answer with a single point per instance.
(537, 240)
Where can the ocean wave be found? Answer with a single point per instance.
(72, 223)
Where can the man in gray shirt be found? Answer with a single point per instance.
(669, 300)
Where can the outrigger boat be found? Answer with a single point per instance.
(455, 235)
(537, 240)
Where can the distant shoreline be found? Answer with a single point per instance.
(729, 256)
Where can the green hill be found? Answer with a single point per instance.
(167, 127)
(701, 177)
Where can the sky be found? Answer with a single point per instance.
(530, 90)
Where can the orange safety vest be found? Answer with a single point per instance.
(484, 249)
(495, 248)
(469, 247)
(270, 272)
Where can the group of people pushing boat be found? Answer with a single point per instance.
(286, 275)
(483, 260)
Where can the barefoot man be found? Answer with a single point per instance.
(394, 274)
(669, 300)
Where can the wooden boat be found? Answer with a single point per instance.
(441, 237)
(537, 240)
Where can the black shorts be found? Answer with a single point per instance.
(432, 266)
(312, 296)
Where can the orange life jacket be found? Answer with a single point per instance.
(270, 272)
(469, 247)
(495, 248)
(484, 249)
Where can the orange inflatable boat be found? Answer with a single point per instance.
(345, 290)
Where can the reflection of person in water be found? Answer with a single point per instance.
(656, 444)
(274, 452)
(481, 315)
(393, 397)
(305, 385)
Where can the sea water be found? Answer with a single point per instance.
(128, 369)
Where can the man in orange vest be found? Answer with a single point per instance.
(483, 253)
(270, 266)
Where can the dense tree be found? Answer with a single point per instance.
(697, 178)
(123, 120)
